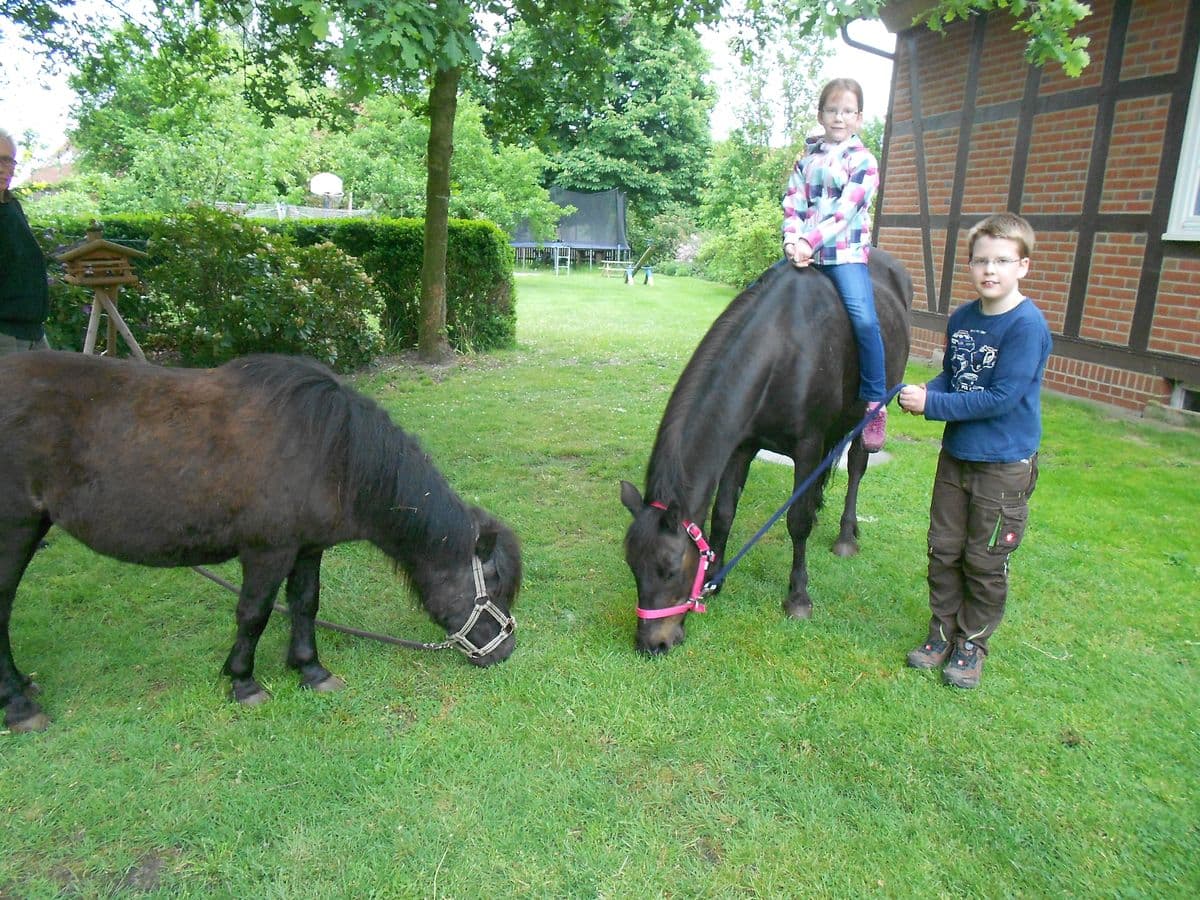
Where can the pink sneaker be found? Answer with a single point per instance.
(875, 434)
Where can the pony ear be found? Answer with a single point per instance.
(485, 544)
(487, 530)
(631, 499)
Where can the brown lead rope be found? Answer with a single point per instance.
(333, 626)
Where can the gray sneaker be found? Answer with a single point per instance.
(929, 655)
(965, 666)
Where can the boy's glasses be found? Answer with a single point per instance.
(9, 162)
(982, 262)
(844, 113)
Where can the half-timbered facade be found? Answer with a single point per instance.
(1106, 167)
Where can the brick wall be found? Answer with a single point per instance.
(943, 78)
(1132, 171)
(1057, 172)
(1117, 387)
(996, 81)
(1176, 327)
(1153, 43)
(1049, 278)
(940, 149)
(989, 164)
(1112, 288)
(900, 186)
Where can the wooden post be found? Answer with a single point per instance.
(108, 297)
(110, 345)
(89, 342)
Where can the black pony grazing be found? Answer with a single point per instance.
(269, 459)
(778, 370)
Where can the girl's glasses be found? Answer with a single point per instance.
(844, 113)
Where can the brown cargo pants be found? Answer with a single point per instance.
(977, 518)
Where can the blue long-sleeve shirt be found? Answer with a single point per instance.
(989, 389)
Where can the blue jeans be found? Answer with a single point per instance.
(858, 296)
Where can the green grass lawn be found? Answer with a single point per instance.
(765, 757)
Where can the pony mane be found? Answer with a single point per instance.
(667, 481)
(381, 470)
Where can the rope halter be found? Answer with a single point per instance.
(693, 603)
(483, 604)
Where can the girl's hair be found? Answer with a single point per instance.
(1005, 226)
(841, 84)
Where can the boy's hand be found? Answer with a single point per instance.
(912, 399)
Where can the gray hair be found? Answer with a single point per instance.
(5, 136)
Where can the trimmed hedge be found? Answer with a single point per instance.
(480, 302)
(248, 289)
(480, 294)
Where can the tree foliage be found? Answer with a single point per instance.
(1048, 23)
(382, 157)
(170, 128)
(638, 120)
(297, 50)
(156, 131)
(778, 68)
(743, 174)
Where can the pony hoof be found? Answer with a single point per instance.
(798, 610)
(327, 685)
(251, 694)
(37, 722)
(845, 548)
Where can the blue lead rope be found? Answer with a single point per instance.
(828, 461)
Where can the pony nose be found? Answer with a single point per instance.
(658, 648)
(657, 638)
(501, 653)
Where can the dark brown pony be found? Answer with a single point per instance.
(269, 459)
(778, 370)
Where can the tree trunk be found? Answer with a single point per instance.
(432, 345)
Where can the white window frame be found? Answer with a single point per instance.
(1183, 224)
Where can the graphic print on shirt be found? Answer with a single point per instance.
(970, 359)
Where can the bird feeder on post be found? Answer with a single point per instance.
(104, 267)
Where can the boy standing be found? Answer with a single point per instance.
(989, 396)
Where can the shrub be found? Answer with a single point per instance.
(751, 244)
(210, 285)
(479, 274)
(480, 296)
(232, 287)
(667, 233)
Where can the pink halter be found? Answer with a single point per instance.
(693, 604)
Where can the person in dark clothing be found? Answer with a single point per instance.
(24, 291)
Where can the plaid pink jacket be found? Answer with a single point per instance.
(828, 200)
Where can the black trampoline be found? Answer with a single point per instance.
(593, 234)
